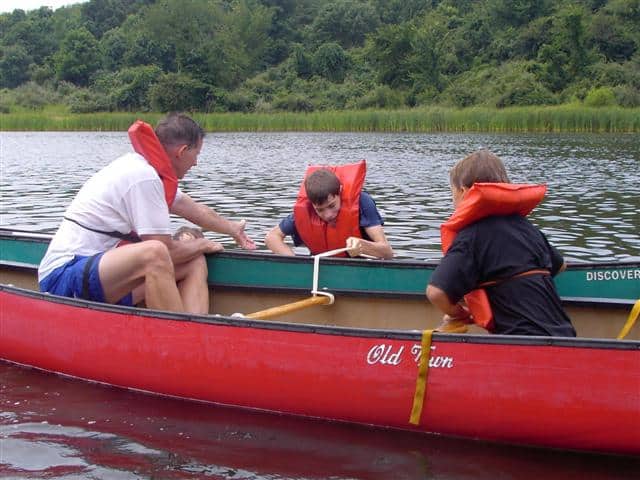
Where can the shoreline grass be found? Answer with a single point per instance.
(563, 118)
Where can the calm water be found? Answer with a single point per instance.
(590, 213)
(55, 427)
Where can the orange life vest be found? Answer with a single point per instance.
(483, 200)
(146, 143)
(316, 234)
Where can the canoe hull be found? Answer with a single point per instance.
(574, 394)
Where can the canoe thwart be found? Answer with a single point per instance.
(291, 307)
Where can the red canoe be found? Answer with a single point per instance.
(579, 394)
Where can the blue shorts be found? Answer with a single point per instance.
(79, 278)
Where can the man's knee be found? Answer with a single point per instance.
(156, 255)
(196, 267)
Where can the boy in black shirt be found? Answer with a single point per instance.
(496, 248)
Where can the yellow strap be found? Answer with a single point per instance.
(421, 381)
(633, 316)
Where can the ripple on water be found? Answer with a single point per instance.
(592, 181)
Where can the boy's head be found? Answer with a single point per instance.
(323, 191)
(480, 166)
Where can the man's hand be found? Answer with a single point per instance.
(240, 236)
(213, 247)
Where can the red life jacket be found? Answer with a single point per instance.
(146, 143)
(483, 200)
(316, 234)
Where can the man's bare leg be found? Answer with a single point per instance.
(192, 285)
(125, 268)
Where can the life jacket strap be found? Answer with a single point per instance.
(130, 237)
(535, 271)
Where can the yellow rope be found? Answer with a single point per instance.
(421, 381)
(633, 316)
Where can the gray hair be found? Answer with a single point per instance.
(178, 128)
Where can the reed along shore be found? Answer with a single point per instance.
(566, 118)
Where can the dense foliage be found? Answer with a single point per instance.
(309, 55)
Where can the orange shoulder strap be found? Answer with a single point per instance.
(146, 143)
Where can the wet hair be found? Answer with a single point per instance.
(480, 166)
(320, 184)
(177, 129)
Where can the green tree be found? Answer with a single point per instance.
(346, 22)
(113, 46)
(330, 61)
(249, 23)
(301, 62)
(612, 39)
(14, 62)
(34, 32)
(399, 11)
(78, 57)
(518, 12)
(573, 38)
(600, 97)
(390, 51)
(100, 16)
(175, 91)
(133, 85)
(553, 71)
(203, 47)
(565, 58)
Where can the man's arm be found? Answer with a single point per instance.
(275, 242)
(208, 219)
(377, 247)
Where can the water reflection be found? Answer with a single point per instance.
(590, 213)
(56, 427)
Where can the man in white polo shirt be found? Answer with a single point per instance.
(131, 199)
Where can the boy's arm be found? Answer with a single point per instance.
(377, 247)
(371, 222)
(440, 299)
(275, 242)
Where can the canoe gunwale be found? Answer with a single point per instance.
(390, 334)
(227, 286)
(401, 263)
